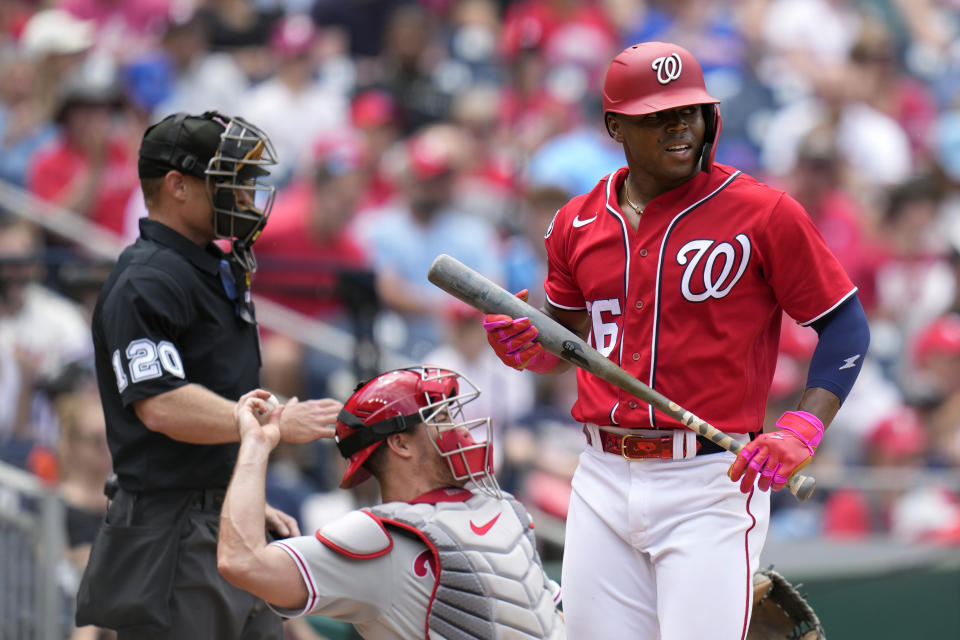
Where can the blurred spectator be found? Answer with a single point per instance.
(560, 51)
(292, 104)
(185, 75)
(935, 378)
(13, 16)
(911, 512)
(84, 462)
(869, 141)
(947, 167)
(931, 44)
(40, 332)
(375, 116)
(897, 441)
(472, 31)
(363, 24)
(57, 43)
(90, 169)
(529, 112)
(800, 39)
(409, 68)
(307, 256)
(525, 256)
(23, 126)
(573, 159)
(914, 281)
(488, 186)
(817, 182)
(241, 28)
(123, 28)
(84, 466)
(405, 238)
(882, 83)
(565, 31)
(542, 449)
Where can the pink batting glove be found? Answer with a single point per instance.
(513, 340)
(778, 455)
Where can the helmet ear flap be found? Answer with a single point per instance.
(713, 122)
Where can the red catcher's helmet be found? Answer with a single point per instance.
(399, 400)
(653, 76)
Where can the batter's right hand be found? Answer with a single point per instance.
(514, 341)
(309, 420)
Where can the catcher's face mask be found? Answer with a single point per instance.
(399, 400)
(240, 196)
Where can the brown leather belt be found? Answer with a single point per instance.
(636, 447)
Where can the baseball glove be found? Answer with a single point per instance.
(780, 612)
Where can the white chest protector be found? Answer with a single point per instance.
(491, 584)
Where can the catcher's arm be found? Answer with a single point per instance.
(244, 558)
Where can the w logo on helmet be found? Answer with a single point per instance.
(668, 68)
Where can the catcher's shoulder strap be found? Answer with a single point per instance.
(780, 612)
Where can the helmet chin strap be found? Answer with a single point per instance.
(705, 153)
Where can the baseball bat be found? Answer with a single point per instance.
(461, 281)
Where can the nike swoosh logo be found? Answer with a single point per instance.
(577, 222)
(482, 530)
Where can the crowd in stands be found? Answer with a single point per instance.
(408, 128)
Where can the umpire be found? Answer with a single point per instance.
(176, 343)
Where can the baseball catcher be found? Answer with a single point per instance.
(436, 560)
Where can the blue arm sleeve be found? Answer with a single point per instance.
(844, 337)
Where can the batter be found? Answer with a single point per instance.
(679, 269)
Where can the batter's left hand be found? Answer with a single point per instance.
(280, 523)
(309, 420)
(776, 456)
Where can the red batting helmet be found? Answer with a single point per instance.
(653, 76)
(399, 400)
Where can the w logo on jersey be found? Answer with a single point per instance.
(712, 280)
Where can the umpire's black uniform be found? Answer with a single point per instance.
(165, 319)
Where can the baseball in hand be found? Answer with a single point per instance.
(271, 404)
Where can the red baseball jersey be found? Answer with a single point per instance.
(690, 303)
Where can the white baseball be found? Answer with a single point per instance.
(271, 404)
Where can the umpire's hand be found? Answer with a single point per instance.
(309, 420)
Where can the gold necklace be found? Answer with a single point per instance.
(626, 196)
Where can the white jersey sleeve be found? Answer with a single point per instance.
(385, 596)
